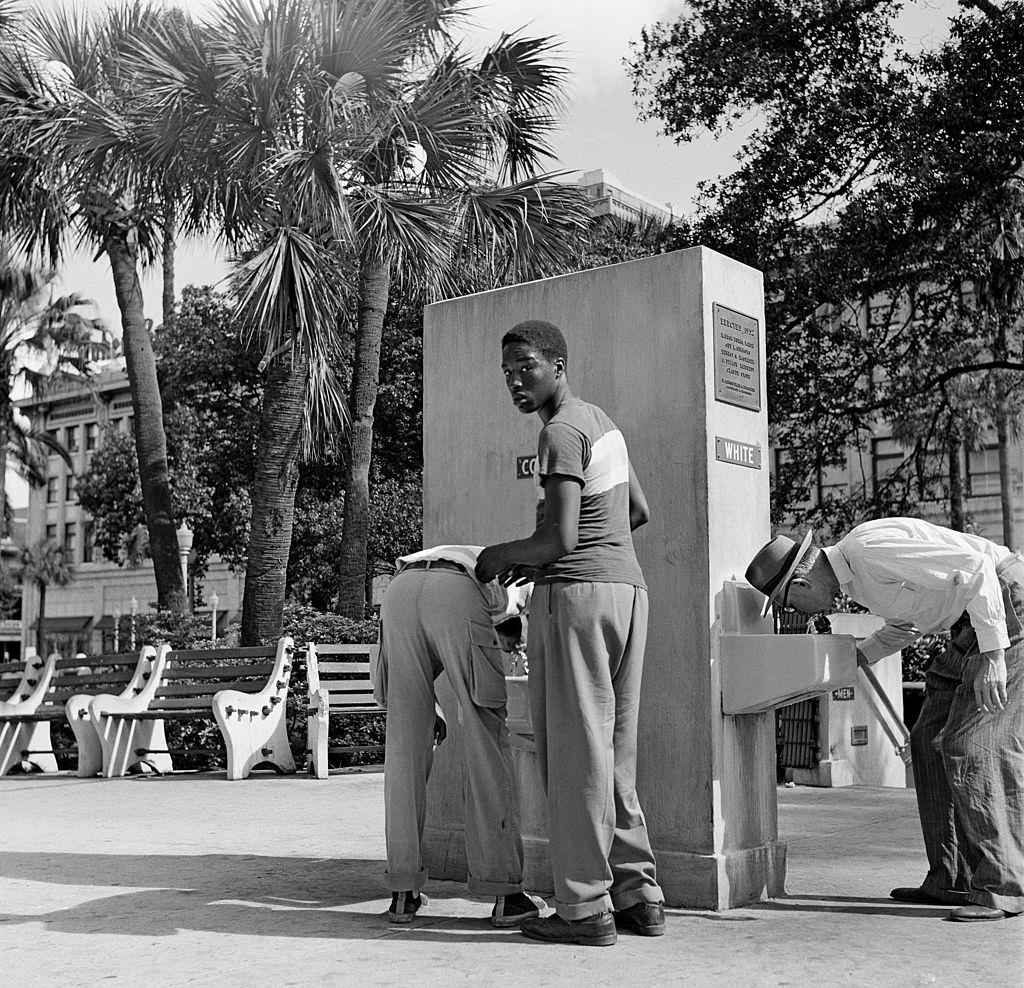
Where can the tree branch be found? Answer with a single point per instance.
(986, 7)
(938, 380)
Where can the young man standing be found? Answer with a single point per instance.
(588, 629)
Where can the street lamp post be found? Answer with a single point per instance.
(214, 601)
(185, 539)
(135, 610)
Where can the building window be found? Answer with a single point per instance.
(69, 487)
(51, 490)
(92, 435)
(69, 539)
(71, 438)
(886, 456)
(983, 471)
(87, 546)
(51, 533)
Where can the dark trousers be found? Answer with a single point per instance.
(969, 768)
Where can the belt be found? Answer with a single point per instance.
(434, 564)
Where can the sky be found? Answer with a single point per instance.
(599, 128)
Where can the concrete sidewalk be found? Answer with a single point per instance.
(277, 881)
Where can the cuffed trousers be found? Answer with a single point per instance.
(586, 650)
(969, 768)
(433, 621)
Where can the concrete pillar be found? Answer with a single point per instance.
(643, 345)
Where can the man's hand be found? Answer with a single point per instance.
(518, 575)
(990, 681)
(490, 563)
(440, 730)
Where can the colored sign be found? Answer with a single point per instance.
(526, 467)
(743, 454)
(737, 358)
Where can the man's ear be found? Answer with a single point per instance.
(559, 366)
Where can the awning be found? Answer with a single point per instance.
(55, 624)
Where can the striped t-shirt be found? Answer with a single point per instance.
(581, 442)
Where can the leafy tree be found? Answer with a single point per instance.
(43, 340)
(211, 391)
(45, 563)
(70, 134)
(867, 193)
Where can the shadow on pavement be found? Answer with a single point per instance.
(246, 895)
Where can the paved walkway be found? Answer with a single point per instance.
(276, 881)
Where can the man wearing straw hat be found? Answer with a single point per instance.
(968, 742)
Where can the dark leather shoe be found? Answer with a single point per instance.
(594, 931)
(976, 914)
(404, 906)
(645, 918)
(925, 898)
(511, 910)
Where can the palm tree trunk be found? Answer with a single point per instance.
(273, 500)
(5, 416)
(1005, 473)
(374, 287)
(150, 441)
(170, 233)
(40, 633)
(956, 485)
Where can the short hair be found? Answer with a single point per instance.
(544, 337)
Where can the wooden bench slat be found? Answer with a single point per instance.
(180, 703)
(98, 661)
(263, 669)
(205, 654)
(92, 678)
(15, 667)
(205, 689)
(336, 667)
(44, 712)
(354, 703)
(358, 690)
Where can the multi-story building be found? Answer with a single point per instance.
(81, 616)
(607, 196)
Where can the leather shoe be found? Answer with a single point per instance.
(645, 918)
(594, 931)
(511, 910)
(924, 898)
(404, 906)
(976, 914)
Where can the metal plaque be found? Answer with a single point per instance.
(742, 454)
(737, 358)
(843, 693)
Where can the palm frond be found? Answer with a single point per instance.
(526, 230)
(326, 416)
(289, 293)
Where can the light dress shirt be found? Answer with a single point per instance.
(920, 578)
(502, 602)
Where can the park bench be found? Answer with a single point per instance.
(19, 679)
(64, 688)
(244, 690)
(340, 684)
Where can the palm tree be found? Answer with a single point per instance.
(305, 151)
(42, 339)
(45, 563)
(70, 163)
(474, 125)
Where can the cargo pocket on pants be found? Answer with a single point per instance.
(486, 668)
